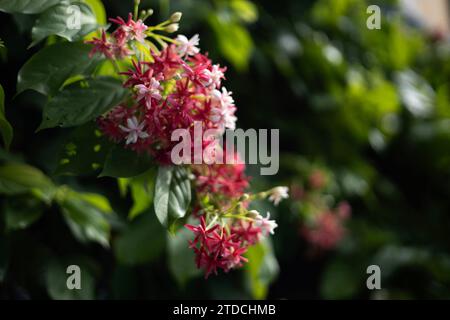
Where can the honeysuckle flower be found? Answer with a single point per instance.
(188, 47)
(267, 226)
(277, 194)
(149, 92)
(135, 130)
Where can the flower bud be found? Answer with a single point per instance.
(172, 27)
(244, 197)
(176, 17)
(253, 214)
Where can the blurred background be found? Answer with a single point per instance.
(364, 119)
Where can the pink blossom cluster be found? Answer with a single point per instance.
(327, 229)
(117, 46)
(179, 87)
(215, 248)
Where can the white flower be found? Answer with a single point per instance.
(278, 194)
(150, 92)
(134, 130)
(222, 112)
(188, 46)
(224, 98)
(267, 226)
(215, 75)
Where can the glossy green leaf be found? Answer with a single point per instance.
(125, 163)
(141, 242)
(262, 268)
(86, 221)
(82, 102)
(99, 10)
(21, 178)
(70, 21)
(21, 212)
(181, 258)
(49, 68)
(142, 188)
(5, 127)
(172, 194)
(84, 151)
(26, 6)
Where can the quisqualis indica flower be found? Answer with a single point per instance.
(149, 92)
(177, 87)
(215, 75)
(267, 226)
(135, 130)
(278, 194)
(188, 47)
(133, 30)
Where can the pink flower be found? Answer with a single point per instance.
(215, 75)
(135, 130)
(102, 45)
(188, 47)
(325, 232)
(222, 112)
(149, 92)
(131, 30)
(278, 194)
(216, 248)
(265, 224)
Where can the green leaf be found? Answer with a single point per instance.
(49, 69)
(82, 102)
(235, 42)
(26, 6)
(86, 221)
(56, 278)
(5, 128)
(181, 258)
(142, 193)
(262, 268)
(84, 152)
(21, 178)
(70, 21)
(172, 195)
(340, 280)
(21, 212)
(125, 163)
(245, 10)
(99, 10)
(141, 242)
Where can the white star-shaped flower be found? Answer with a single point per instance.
(135, 130)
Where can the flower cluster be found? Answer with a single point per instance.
(222, 245)
(177, 87)
(323, 223)
(326, 229)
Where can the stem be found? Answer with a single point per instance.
(212, 222)
(136, 9)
